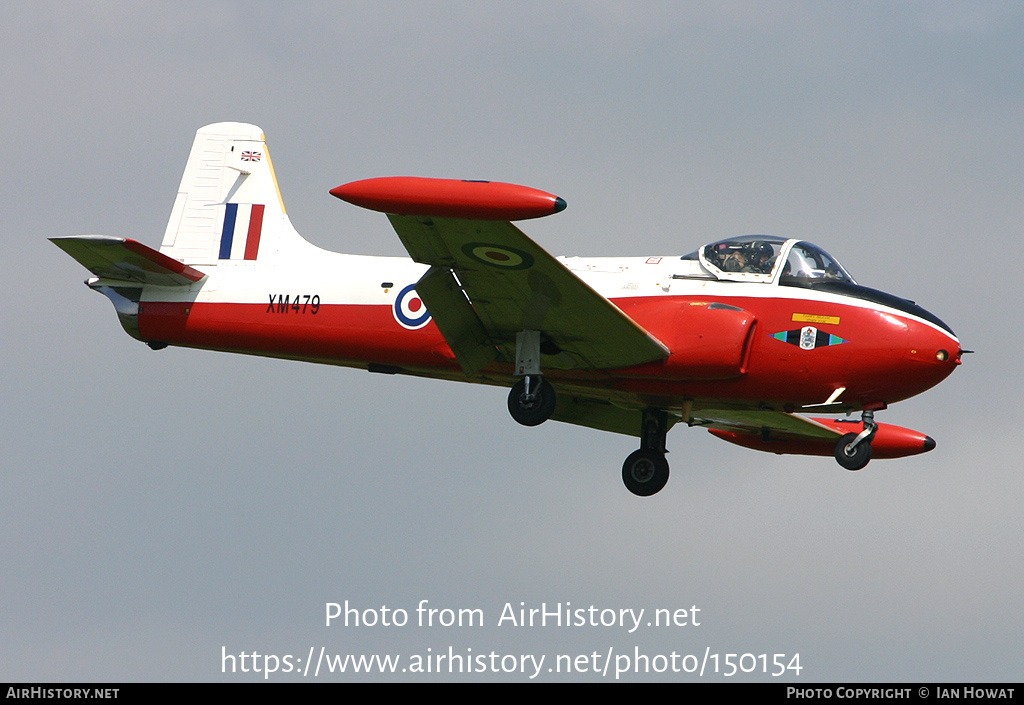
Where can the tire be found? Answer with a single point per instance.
(645, 472)
(536, 411)
(855, 460)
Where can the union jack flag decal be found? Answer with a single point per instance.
(249, 156)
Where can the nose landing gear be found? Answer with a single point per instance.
(853, 450)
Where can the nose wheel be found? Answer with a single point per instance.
(850, 456)
(853, 450)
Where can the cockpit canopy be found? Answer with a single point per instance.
(767, 259)
(774, 260)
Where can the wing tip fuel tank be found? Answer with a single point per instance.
(449, 198)
(889, 442)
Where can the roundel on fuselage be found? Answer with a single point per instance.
(409, 309)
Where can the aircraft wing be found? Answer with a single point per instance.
(601, 414)
(489, 281)
(764, 422)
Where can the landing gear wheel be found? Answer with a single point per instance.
(645, 472)
(853, 459)
(535, 407)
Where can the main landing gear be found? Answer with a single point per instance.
(645, 471)
(532, 399)
(853, 450)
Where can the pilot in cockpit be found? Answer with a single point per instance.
(752, 257)
(734, 261)
(760, 258)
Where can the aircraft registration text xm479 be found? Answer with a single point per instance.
(741, 336)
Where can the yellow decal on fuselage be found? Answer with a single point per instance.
(815, 318)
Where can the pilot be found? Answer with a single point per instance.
(735, 261)
(760, 258)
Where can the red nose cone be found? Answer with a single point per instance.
(449, 198)
(935, 353)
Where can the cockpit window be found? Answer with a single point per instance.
(768, 260)
(807, 263)
(750, 258)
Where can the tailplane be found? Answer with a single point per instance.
(229, 206)
(126, 261)
(228, 210)
(122, 268)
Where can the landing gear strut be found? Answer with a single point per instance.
(853, 451)
(645, 471)
(532, 399)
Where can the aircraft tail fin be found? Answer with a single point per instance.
(229, 207)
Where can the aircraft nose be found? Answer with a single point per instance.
(936, 349)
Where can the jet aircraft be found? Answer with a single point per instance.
(742, 336)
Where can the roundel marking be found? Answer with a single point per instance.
(409, 309)
(500, 256)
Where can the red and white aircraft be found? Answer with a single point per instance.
(736, 337)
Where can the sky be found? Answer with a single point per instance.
(165, 510)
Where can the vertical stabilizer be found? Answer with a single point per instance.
(229, 206)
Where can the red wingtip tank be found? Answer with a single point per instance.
(449, 198)
(889, 441)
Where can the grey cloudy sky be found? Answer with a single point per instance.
(159, 506)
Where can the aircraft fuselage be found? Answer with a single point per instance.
(735, 337)
(784, 346)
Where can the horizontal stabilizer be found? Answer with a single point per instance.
(127, 260)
